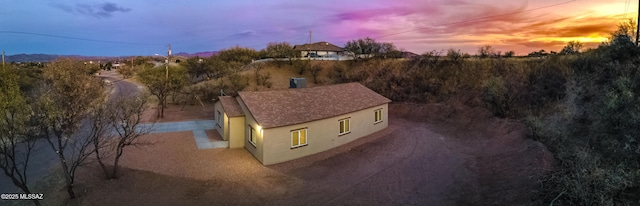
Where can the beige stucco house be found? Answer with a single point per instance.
(281, 125)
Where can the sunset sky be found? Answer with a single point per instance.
(144, 27)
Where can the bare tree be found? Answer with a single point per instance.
(261, 78)
(572, 47)
(123, 122)
(257, 67)
(315, 70)
(486, 51)
(455, 56)
(99, 121)
(17, 139)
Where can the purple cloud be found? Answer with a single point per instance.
(245, 33)
(102, 10)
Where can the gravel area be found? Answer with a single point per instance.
(414, 161)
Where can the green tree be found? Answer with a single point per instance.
(217, 67)
(238, 83)
(196, 66)
(162, 82)
(17, 138)
(240, 55)
(279, 50)
(126, 71)
(64, 101)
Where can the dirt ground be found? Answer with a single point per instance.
(431, 154)
(179, 112)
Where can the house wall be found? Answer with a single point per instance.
(327, 53)
(257, 149)
(230, 128)
(236, 132)
(320, 53)
(222, 130)
(322, 135)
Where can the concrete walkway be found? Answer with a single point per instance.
(198, 128)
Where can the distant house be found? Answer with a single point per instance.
(319, 49)
(282, 125)
(117, 65)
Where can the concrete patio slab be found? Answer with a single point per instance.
(198, 128)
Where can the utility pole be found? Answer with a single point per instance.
(638, 24)
(310, 37)
(2, 59)
(168, 60)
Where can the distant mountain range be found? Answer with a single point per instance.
(51, 57)
(197, 54)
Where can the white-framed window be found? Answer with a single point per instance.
(252, 135)
(298, 137)
(377, 116)
(345, 126)
(219, 119)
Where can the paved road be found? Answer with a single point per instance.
(43, 159)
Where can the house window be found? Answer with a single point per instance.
(378, 116)
(345, 126)
(252, 135)
(219, 118)
(298, 138)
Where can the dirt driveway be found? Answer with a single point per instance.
(419, 159)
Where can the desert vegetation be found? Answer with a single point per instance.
(582, 104)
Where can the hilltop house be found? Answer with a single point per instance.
(282, 125)
(319, 49)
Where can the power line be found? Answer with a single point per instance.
(626, 8)
(479, 18)
(74, 38)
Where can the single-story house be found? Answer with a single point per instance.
(281, 125)
(319, 49)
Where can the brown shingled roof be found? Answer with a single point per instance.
(294, 106)
(231, 106)
(318, 46)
